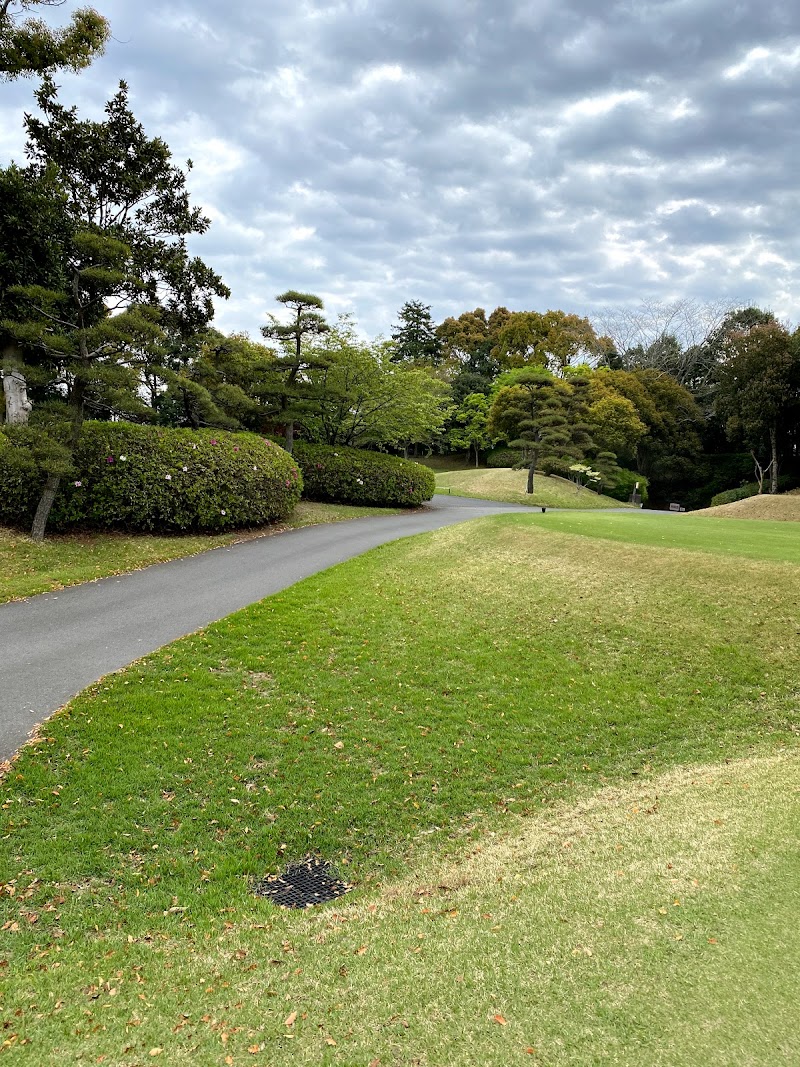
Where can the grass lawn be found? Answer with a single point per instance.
(509, 485)
(491, 740)
(27, 568)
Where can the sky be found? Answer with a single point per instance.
(573, 154)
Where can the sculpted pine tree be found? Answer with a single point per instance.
(29, 46)
(123, 263)
(306, 324)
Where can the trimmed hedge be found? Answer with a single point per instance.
(340, 475)
(503, 457)
(150, 478)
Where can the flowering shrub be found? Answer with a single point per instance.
(354, 476)
(149, 478)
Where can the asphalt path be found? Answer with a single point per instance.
(54, 645)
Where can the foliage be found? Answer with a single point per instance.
(295, 361)
(469, 342)
(29, 46)
(147, 478)
(554, 340)
(124, 261)
(358, 396)
(623, 483)
(469, 425)
(743, 492)
(759, 390)
(354, 476)
(415, 336)
(504, 457)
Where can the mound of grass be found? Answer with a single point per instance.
(485, 673)
(784, 507)
(27, 568)
(509, 485)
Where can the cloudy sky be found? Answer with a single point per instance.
(573, 154)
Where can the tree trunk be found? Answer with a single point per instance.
(45, 504)
(773, 444)
(288, 443)
(477, 454)
(531, 470)
(15, 388)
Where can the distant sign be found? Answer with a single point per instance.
(676, 507)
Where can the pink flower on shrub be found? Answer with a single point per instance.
(77, 484)
(318, 466)
(288, 483)
(213, 441)
(109, 459)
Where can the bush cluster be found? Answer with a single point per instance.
(785, 482)
(503, 457)
(623, 482)
(150, 478)
(342, 475)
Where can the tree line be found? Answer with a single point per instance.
(104, 313)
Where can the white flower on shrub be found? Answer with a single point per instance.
(123, 459)
(360, 481)
(185, 468)
(168, 477)
(223, 512)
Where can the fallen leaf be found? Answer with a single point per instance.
(290, 1019)
(156, 1051)
(329, 1041)
(360, 950)
(500, 1020)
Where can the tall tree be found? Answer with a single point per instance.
(123, 260)
(759, 391)
(553, 339)
(305, 325)
(361, 398)
(29, 46)
(469, 425)
(415, 336)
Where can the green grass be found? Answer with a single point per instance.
(499, 677)
(27, 568)
(769, 540)
(510, 486)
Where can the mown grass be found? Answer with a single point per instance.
(783, 507)
(510, 486)
(28, 568)
(769, 540)
(485, 679)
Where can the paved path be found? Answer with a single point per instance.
(53, 645)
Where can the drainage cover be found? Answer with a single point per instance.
(302, 885)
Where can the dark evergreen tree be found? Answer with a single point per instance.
(415, 336)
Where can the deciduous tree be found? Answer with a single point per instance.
(29, 46)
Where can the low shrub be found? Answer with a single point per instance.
(503, 457)
(730, 496)
(342, 475)
(150, 478)
(623, 482)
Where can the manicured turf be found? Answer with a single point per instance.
(766, 540)
(510, 486)
(392, 714)
(27, 568)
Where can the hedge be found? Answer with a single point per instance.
(342, 475)
(624, 483)
(154, 479)
(503, 457)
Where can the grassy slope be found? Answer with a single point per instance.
(509, 485)
(485, 673)
(27, 568)
(782, 508)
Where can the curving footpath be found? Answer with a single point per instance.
(53, 645)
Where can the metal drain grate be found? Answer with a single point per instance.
(302, 885)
